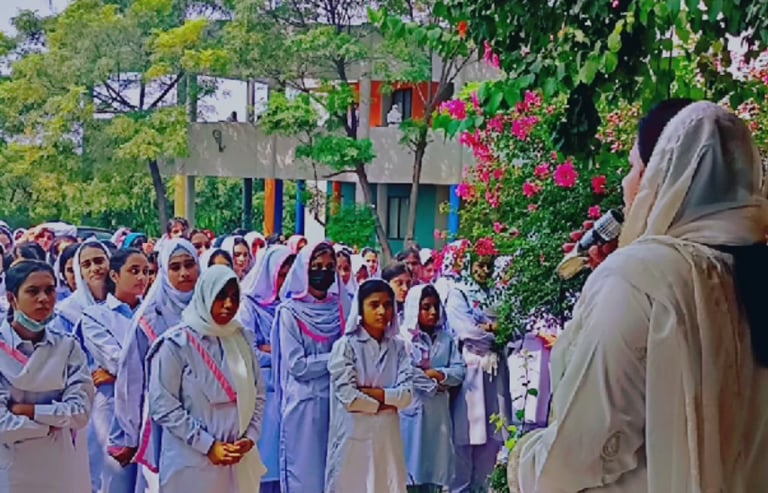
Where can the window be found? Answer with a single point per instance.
(397, 217)
(404, 98)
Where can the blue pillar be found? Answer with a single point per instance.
(453, 215)
(278, 206)
(300, 207)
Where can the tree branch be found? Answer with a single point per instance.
(166, 91)
(337, 173)
(117, 96)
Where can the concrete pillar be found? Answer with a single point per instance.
(381, 204)
(189, 199)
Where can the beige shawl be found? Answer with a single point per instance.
(705, 425)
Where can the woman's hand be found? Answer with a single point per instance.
(374, 393)
(597, 253)
(27, 410)
(549, 339)
(224, 454)
(265, 348)
(244, 445)
(438, 376)
(123, 455)
(102, 377)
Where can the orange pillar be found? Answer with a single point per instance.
(335, 197)
(270, 188)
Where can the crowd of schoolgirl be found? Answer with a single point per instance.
(244, 364)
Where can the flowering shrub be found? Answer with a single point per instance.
(524, 197)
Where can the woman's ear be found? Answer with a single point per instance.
(11, 300)
(114, 276)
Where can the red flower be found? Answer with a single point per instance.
(598, 184)
(530, 189)
(485, 247)
(542, 171)
(566, 175)
(463, 29)
(594, 212)
(498, 228)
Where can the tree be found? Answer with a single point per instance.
(624, 49)
(101, 87)
(316, 50)
(413, 43)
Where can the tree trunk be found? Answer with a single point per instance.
(159, 186)
(418, 160)
(362, 176)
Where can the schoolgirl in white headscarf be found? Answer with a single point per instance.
(206, 394)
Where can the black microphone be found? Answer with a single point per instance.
(605, 230)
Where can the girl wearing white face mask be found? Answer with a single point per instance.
(46, 390)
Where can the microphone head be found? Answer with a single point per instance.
(608, 227)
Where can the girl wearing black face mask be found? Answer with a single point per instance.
(307, 323)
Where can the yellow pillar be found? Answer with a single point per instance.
(269, 206)
(179, 196)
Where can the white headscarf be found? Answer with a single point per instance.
(705, 396)
(355, 318)
(162, 291)
(260, 283)
(72, 308)
(239, 357)
(416, 340)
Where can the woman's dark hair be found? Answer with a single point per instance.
(321, 249)
(289, 260)
(111, 247)
(395, 269)
(429, 291)
(21, 270)
(58, 241)
(370, 287)
(103, 246)
(176, 220)
(219, 240)
(7, 232)
(239, 240)
(344, 253)
(239, 232)
(152, 258)
(407, 253)
(365, 251)
(29, 250)
(750, 265)
(116, 263)
(67, 254)
(275, 239)
(220, 253)
(7, 261)
(652, 125)
(136, 242)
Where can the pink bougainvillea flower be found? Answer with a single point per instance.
(489, 56)
(533, 207)
(514, 232)
(486, 247)
(498, 173)
(553, 155)
(498, 228)
(594, 212)
(468, 139)
(476, 102)
(542, 171)
(496, 124)
(456, 108)
(615, 4)
(598, 185)
(466, 192)
(439, 235)
(530, 190)
(493, 198)
(566, 175)
(522, 127)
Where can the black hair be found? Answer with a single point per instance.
(110, 246)
(58, 241)
(68, 253)
(653, 124)
(365, 251)
(370, 287)
(116, 263)
(239, 232)
(8, 259)
(750, 271)
(289, 260)
(429, 291)
(103, 246)
(180, 220)
(198, 232)
(344, 253)
(152, 257)
(21, 270)
(6, 232)
(275, 239)
(29, 250)
(321, 249)
(220, 253)
(407, 253)
(395, 269)
(239, 240)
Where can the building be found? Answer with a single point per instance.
(243, 150)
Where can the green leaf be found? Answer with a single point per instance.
(614, 41)
(610, 62)
(550, 86)
(494, 102)
(533, 392)
(589, 71)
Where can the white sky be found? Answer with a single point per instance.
(231, 95)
